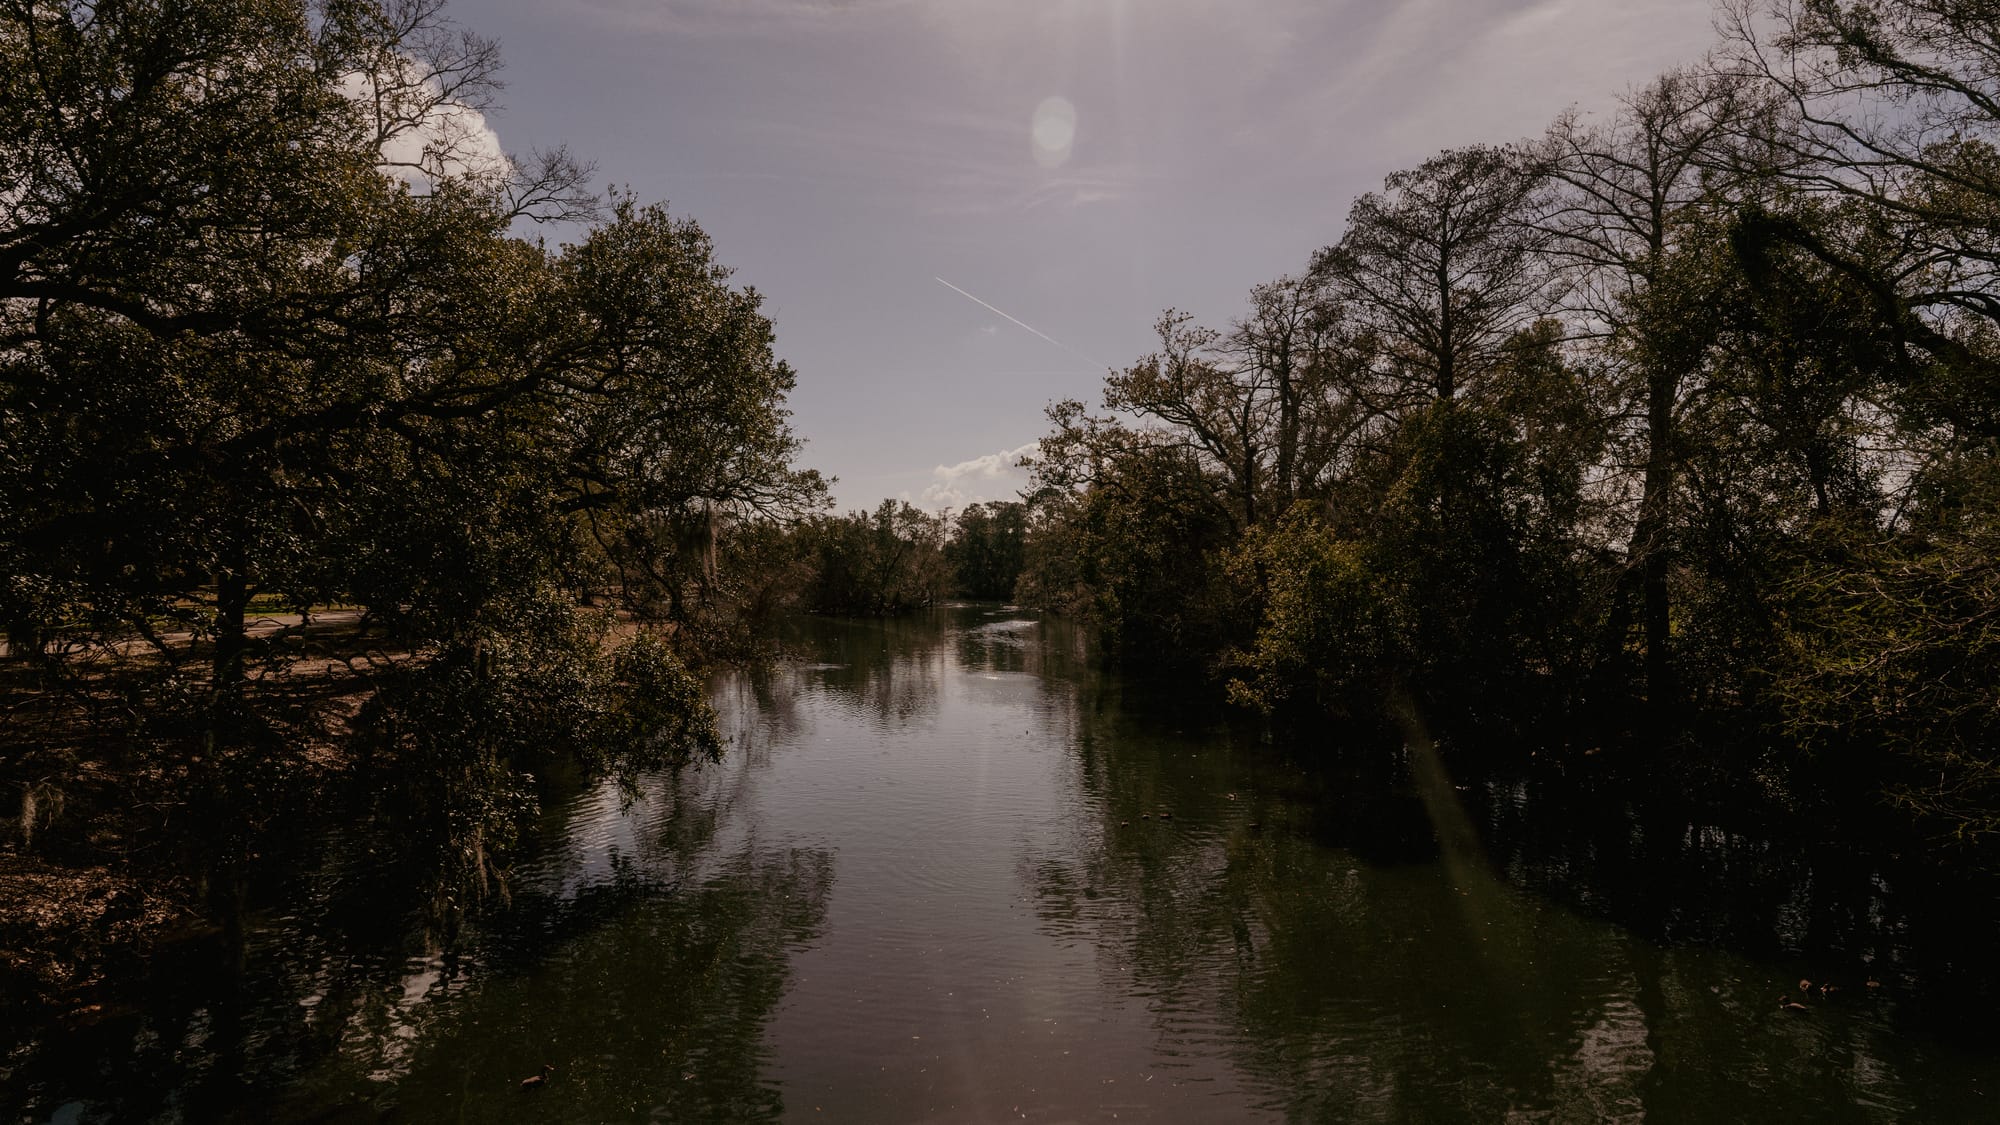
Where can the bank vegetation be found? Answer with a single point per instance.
(1668, 434)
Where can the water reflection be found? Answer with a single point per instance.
(647, 1004)
(641, 953)
(950, 871)
(1306, 926)
(887, 668)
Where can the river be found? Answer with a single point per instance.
(949, 871)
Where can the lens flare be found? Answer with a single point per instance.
(1054, 131)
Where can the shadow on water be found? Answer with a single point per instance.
(1366, 954)
(640, 953)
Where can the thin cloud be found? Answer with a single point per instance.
(958, 162)
(724, 17)
(1215, 146)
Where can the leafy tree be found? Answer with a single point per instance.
(887, 562)
(671, 405)
(267, 331)
(1890, 676)
(1461, 583)
(1328, 638)
(987, 549)
(205, 207)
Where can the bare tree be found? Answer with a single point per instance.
(1441, 268)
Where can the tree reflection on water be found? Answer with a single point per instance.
(344, 1012)
(1306, 924)
(949, 868)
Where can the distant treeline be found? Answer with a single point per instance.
(1676, 425)
(900, 558)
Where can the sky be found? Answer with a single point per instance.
(960, 210)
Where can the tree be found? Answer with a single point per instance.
(206, 206)
(987, 549)
(1266, 406)
(1298, 342)
(151, 144)
(878, 564)
(1628, 192)
(1896, 106)
(267, 331)
(1129, 537)
(671, 402)
(1440, 269)
(1449, 568)
(1217, 410)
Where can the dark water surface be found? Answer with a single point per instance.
(947, 872)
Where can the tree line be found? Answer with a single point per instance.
(277, 337)
(896, 559)
(1673, 423)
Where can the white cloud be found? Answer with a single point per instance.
(996, 476)
(450, 140)
(455, 139)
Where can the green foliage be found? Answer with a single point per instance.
(672, 414)
(875, 565)
(988, 549)
(454, 743)
(1139, 556)
(1457, 582)
(1328, 637)
(658, 714)
(247, 358)
(1891, 668)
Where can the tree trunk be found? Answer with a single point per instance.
(232, 604)
(1288, 435)
(1649, 538)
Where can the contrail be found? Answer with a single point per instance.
(1016, 321)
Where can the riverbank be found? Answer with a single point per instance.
(134, 826)
(112, 836)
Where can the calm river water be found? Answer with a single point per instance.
(948, 872)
